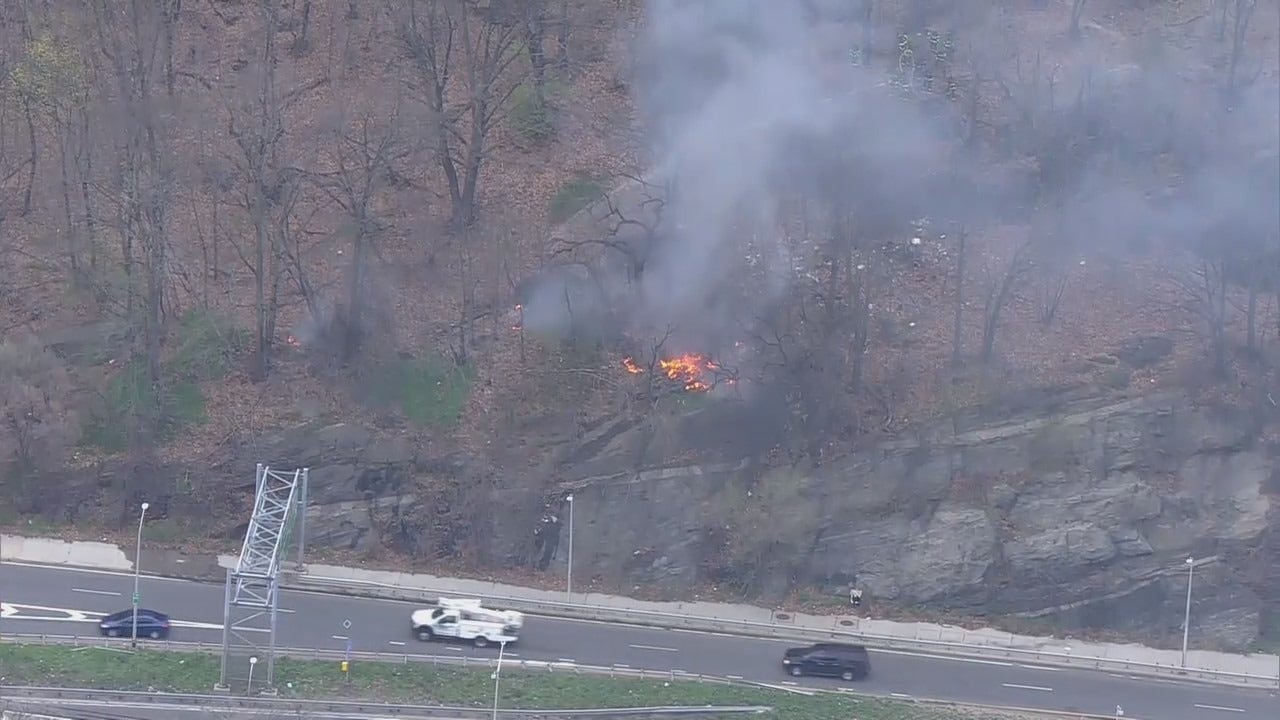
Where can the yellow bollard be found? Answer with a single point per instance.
(345, 666)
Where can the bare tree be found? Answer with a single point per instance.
(628, 223)
(1204, 288)
(51, 81)
(534, 20)
(1000, 286)
(302, 31)
(130, 36)
(271, 186)
(433, 35)
(365, 150)
(37, 422)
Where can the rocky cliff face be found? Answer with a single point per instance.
(1082, 518)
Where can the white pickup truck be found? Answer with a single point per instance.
(467, 620)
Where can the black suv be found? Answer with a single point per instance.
(847, 662)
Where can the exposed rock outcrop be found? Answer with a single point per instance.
(1081, 518)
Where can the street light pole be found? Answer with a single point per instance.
(253, 662)
(1186, 618)
(568, 585)
(137, 570)
(497, 675)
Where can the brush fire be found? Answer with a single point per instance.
(690, 370)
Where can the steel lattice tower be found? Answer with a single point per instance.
(252, 586)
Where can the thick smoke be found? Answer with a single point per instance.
(739, 109)
(725, 85)
(748, 104)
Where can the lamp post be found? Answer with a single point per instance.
(1186, 618)
(253, 661)
(568, 584)
(137, 569)
(497, 674)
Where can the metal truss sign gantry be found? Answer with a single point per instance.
(252, 589)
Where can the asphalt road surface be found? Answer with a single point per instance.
(66, 601)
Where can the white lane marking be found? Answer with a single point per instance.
(620, 665)
(95, 592)
(1045, 668)
(455, 648)
(571, 661)
(731, 677)
(899, 695)
(15, 612)
(397, 643)
(653, 647)
(285, 610)
(1219, 707)
(953, 658)
(339, 637)
(1027, 687)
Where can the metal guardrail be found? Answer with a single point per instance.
(462, 661)
(160, 698)
(293, 706)
(780, 630)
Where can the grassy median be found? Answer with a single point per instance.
(416, 683)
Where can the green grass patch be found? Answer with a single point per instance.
(420, 683)
(531, 115)
(430, 393)
(204, 349)
(573, 196)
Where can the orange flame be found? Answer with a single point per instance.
(689, 370)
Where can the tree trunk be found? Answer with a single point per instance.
(957, 300)
(262, 341)
(34, 155)
(69, 223)
(562, 37)
(997, 297)
(84, 168)
(172, 11)
(301, 40)
(1251, 318)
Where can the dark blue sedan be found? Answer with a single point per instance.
(151, 623)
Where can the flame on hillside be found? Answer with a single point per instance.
(690, 370)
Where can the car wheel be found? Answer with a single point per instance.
(424, 634)
(113, 633)
(481, 641)
(847, 676)
(796, 671)
(154, 635)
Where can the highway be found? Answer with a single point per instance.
(66, 601)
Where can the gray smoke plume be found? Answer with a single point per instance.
(749, 104)
(738, 106)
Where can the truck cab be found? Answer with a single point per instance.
(467, 621)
